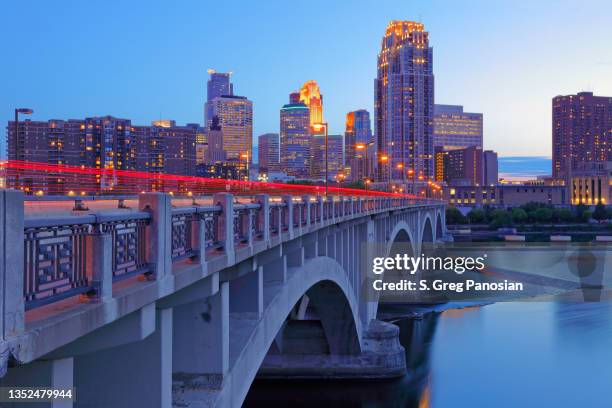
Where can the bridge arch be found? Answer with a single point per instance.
(427, 233)
(329, 289)
(439, 228)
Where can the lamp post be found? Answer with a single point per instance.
(318, 127)
(25, 111)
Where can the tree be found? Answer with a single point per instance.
(586, 216)
(501, 218)
(519, 215)
(477, 216)
(600, 213)
(579, 210)
(543, 214)
(564, 215)
(454, 216)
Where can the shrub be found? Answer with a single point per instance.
(454, 216)
(519, 215)
(477, 216)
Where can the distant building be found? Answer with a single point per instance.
(491, 168)
(454, 128)
(335, 157)
(215, 152)
(581, 132)
(460, 166)
(359, 148)
(506, 195)
(235, 115)
(98, 142)
(404, 105)
(269, 152)
(227, 170)
(218, 85)
(295, 140)
(592, 184)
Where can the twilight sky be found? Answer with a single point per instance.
(148, 59)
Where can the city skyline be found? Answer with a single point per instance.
(164, 74)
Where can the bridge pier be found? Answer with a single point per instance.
(133, 374)
(201, 339)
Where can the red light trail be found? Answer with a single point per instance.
(36, 178)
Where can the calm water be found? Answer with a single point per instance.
(514, 354)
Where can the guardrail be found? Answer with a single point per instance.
(54, 258)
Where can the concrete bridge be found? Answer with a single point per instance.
(163, 304)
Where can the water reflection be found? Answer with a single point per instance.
(512, 354)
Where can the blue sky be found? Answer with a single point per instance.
(146, 59)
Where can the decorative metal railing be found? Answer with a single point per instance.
(182, 233)
(128, 244)
(54, 262)
(57, 253)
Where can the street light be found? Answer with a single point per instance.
(317, 127)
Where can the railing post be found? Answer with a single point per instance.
(340, 204)
(12, 305)
(99, 265)
(159, 232)
(199, 237)
(225, 225)
(320, 208)
(288, 200)
(263, 218)
(307, 204)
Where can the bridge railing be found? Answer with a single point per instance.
(52, 258)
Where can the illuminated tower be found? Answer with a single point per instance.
(404, 106)
(235, 115)
(358, 146)
(310, 95)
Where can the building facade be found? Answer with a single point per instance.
(404, 105)
(269, 152)
(235, 115)
(506, 195)
(454, 128)
(335, 157)
(460, 166)
(581, 132)
(491, 167)
(101, 143)
(295, 138)
(592, 184)
(359, 149)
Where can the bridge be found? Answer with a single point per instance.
(162, 301)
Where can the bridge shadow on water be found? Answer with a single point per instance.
(411, 390)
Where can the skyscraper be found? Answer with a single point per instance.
(269, 153)
(335, 156)
(455, 128)
(295, 139)
(581, 132)
(404, 104)
(310, 95)
(235, 115)
(358, 146)
(218, 85)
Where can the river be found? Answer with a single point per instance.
(508, 354)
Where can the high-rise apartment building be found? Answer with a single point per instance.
(359, 149)
(98, 142)
(295, 140)
(218, 85)
(269, 152)
(454, 128)
(404, 105)
(235, 115)
(581, 132)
